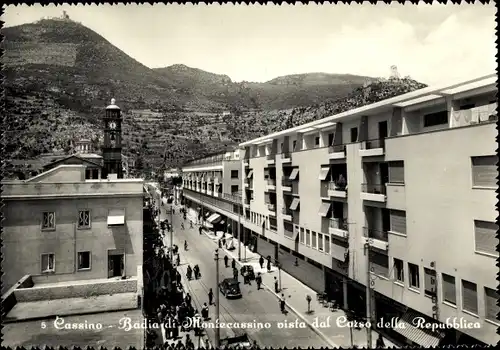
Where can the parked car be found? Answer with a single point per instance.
(230, 288)
(249, 269)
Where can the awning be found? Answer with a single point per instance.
(295, 204)
(325, 208)
(214, 218)
(294, 174)
(323, 174)
(250, 174)
(338, 252)
(422, 336)
(116, 217)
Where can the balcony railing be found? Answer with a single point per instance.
(337, 186)
(375, 234)
(374, 188)
(338, 223)
(233, 197)
(286, 155)
(286, 182)
(336, 149)
(271, 207)
(372, 144)
(271, 182)
(286, 211)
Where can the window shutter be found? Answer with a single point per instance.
(320, 241)
(379, 264)
(396, 172)
(485, 236)
(398, 221)
(327, 244)
(491, 308)
(429, 281)
(484, 171)
(469, 295)
(449, 289)
(314, 244)
(267, 198)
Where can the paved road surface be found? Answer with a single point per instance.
(256, 306)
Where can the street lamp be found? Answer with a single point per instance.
(217, 329)
(278, 265)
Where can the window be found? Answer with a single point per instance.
(469, 296)
(330, 139)
(327, 244)
(281, 147)
(379, 264)
(485, 237)
(490, 304)
(449, 289)
(84, 260)
(399, 273)
(49, 220)
(88, 174)
(234, 189)
(48, 263)
(316, 141)
(314, 243)
(308, 238)
(320, 242)
(437, 118)
(84, 219)
(234, 174)
(429, 282)
(302, 237)
(398, 221)
(414, 276)
(294, 145)
(397, 172)
(484, 171)
(354, 134)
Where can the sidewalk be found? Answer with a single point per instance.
(321, 319)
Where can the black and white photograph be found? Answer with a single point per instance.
(232, 176)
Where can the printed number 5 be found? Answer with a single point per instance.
(43, 325)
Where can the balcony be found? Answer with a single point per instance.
(271, 184)
(336, 152)
(286, 213)
(338, 227)
(286, 157)
(272, 209)
(233, 197)
(373, 192)
(270, 159)
(372, 148)
(217, 180)
(286, 185)
(337, 190)
(246, 182)
(376, 238)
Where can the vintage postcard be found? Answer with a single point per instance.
(249, 176)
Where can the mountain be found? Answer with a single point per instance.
(59, 76)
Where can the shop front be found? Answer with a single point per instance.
(264, 247)
(306, 271)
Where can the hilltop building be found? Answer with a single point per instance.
(398, 196)
(68, 235)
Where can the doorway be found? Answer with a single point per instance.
(384, 173)
(116, 265)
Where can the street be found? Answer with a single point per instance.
(255, 308)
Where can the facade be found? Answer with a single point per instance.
(400, 193)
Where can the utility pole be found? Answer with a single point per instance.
(217, 315)
(368, 298)
(278, 265)
(171, 235)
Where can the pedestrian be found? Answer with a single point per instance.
(200, 230)
(380, 342)
(233, 264)
(226, 261)
(204, 312)
(210, 297)
(235, 273)
(182, 226)
(261, 262)
(175, 328)
(268, 263)
(245, 277)
(258, 279)
(191, 223)
(187, 299)
(189, 342)
(179, 345)
(276, 285)
(220, 243)
(282, 303)
(178, 262)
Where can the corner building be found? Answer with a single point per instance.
(399, 194)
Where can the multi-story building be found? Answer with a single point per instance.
(398, 195)
(215, 182)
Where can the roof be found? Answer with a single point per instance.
(410, 98)
(31, 334)
(76, 155)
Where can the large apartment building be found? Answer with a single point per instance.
(400, 195)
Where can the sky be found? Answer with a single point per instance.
(433, 44)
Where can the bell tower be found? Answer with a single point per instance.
(112, 146)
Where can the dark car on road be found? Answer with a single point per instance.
(249, 269)
(230, 288)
